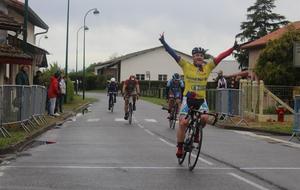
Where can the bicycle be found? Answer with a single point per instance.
(130, 109)
(111, 101)
(191, 147)
(173, 116)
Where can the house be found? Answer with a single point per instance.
(150, 64)
(229, 67)
(256, 47)
(12, 12)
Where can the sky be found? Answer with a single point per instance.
(126, 26)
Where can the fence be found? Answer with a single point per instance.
(296, 128)
(228, 103)
(22, 104)
(262, 101)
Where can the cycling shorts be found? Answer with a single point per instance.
(199, 104)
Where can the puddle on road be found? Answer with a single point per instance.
(37, 143)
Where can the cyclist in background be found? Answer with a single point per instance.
(130, 88)
(112, 91)
(195, 76)
(174, 91)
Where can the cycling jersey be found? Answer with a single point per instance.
(131, 86)
(195, 79)
(112, 87)
(174, 89)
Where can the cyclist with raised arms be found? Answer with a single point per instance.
(174, 90)
(195, 77)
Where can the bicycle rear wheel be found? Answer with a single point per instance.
(195, 148)
(130, 113)
(112, 107)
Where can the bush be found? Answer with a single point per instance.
(70, 90)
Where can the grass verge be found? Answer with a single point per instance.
(157, 101)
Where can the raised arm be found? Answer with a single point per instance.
(226, 53)
(168, 48)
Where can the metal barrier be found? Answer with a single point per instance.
(24, 105)
(296, 128)
(228, 103)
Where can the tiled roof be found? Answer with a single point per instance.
(33, 17)
(8, 23)
(272, 36)
(11, 52)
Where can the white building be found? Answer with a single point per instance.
(155, 61)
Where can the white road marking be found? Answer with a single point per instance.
(168, 143)
(151, 120)
(270, 168)
(1, 174)
(116, 167)
(2, 168)
(203, 160)
(149, 132)
(141, 126)
(93, 120)
(288, 143)
(199, 158)
(120, 119)
(248, 181)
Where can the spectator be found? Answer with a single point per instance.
(22, 76)
(53, 92)
(37, 79)
(62, 94)
(222, 83)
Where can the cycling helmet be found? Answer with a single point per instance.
(113, 80)
(176, 76)
(132, 77)
(199, 50)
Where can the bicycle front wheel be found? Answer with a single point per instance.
(195, 148)
(130, 113)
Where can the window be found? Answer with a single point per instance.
(162, 77)
(140, 76)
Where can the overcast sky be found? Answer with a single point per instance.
(126, 26)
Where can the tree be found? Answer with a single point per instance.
(261, 21)
(275, 63)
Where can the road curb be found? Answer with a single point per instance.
(229, 127)
(9, 152)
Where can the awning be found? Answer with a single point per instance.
(12, 55)
(38, 54)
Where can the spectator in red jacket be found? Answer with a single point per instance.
(53, 92)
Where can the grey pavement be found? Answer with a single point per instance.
(99, 150)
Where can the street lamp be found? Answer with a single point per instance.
(43, 36)
(95, 12)
(86, 28)
(67, 49)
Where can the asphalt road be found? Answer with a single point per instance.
(99, 150)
